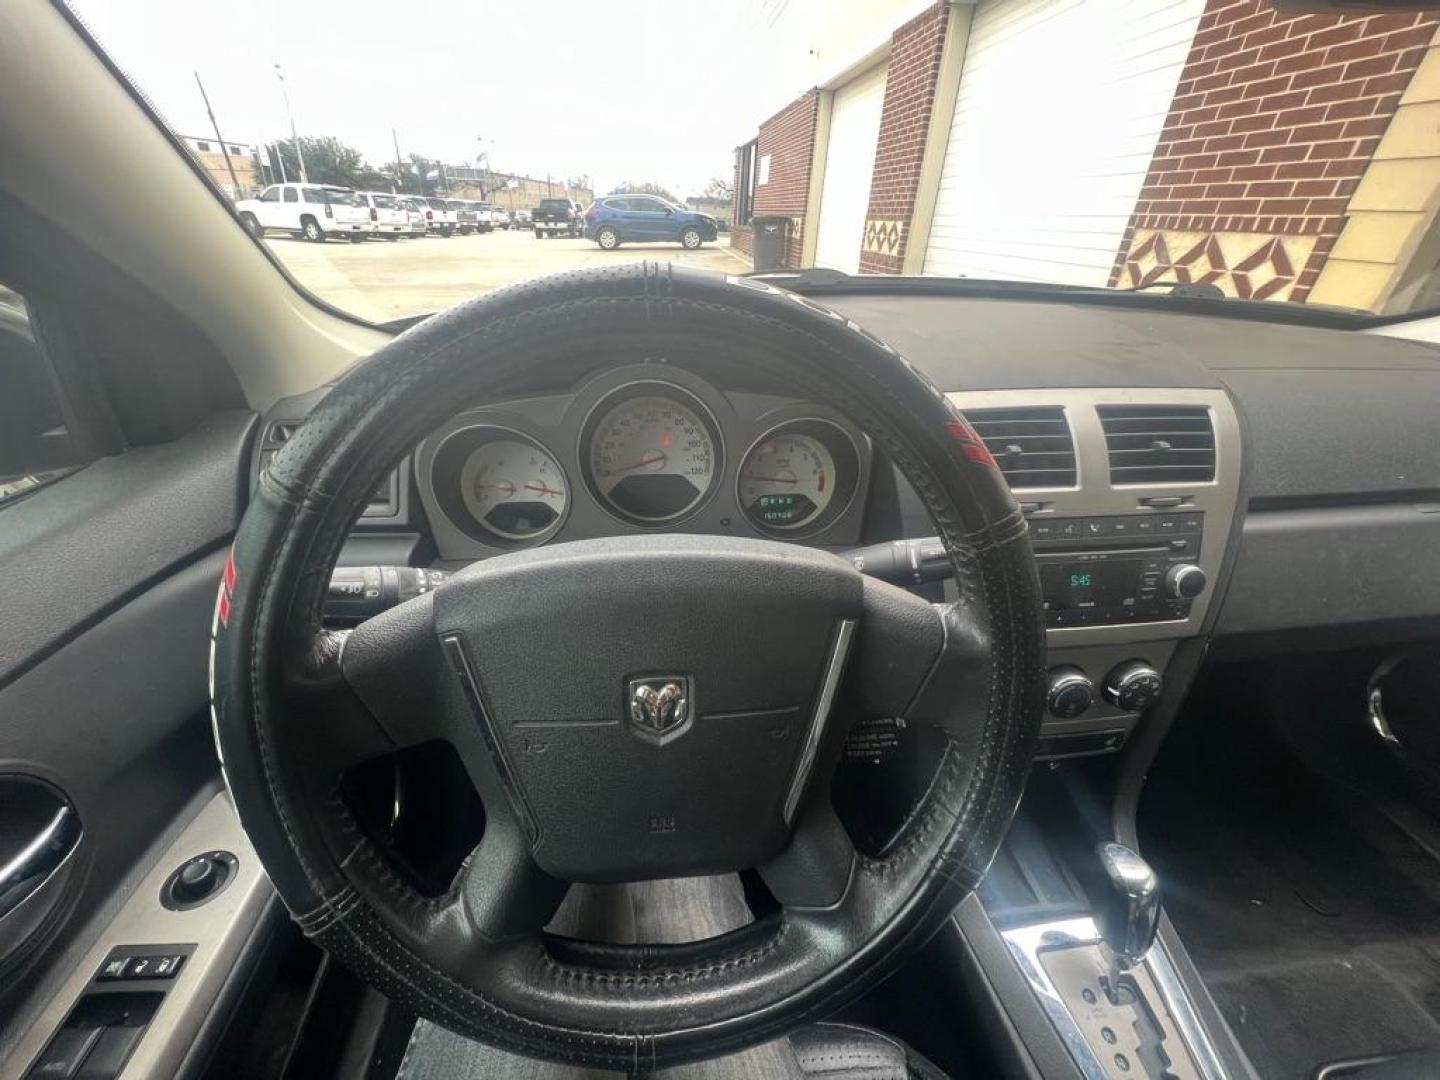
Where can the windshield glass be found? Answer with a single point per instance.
(1258, 151)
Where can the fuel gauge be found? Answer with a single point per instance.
(514, 489)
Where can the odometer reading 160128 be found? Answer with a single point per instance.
(652, 458)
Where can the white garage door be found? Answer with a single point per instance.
(1059, 108)
(849, 161)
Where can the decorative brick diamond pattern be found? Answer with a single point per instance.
(883, 237)
(1249, 266)
(1276, 117)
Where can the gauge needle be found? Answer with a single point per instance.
(504, 487)
(638, 464)
(774, 479)
(542, 489)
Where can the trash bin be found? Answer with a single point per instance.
(771, 235)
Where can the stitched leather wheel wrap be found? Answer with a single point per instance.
(606, 1006)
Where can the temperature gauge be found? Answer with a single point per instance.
(514, 489)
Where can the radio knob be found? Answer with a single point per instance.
(1185, 581)
(1071, 692)
(1133, 686)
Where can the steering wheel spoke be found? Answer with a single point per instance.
(925, 662)
(505, 894)
(814, 870)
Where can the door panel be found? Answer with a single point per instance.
(849, 163)
(112, 573)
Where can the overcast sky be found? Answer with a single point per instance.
(638, 90)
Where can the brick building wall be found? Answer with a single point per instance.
(788, 139)
(1275, 119)
(910, 82)
(742, 237)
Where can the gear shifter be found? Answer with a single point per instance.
(1130, 911)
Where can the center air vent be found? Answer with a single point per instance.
(1031, 445)
(1158, 444)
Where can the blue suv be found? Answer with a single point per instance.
(616, 219)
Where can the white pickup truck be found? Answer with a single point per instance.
(314, 211)
(388, 216)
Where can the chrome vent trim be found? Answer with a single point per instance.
(1033, 445)
(1158, 444)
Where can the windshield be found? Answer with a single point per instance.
(1264, 152)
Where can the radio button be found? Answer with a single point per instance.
(1145, 525)
(1184, 581)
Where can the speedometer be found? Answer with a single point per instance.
(654, 453)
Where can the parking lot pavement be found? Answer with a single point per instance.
(383, 280)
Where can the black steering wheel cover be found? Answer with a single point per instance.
(683, 1003)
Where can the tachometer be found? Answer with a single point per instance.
(514, 489)
(653, 453)
(787, 481)
(799, 476)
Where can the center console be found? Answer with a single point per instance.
(1130, 495)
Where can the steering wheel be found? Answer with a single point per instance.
(686, 720)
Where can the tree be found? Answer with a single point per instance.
(327, 160)
(425, 174)
(719, 188)
(646, 188)
(372, 179)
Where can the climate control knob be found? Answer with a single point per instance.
(1184, 581)
(1133, 686)
(1071, 692)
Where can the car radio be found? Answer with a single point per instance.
(1094, 571)
(1125, 568)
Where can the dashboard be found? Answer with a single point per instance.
(637, 450)
(1186, 479)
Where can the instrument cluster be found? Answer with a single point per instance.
(643, 453)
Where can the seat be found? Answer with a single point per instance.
(674, 911)
(823, 1051)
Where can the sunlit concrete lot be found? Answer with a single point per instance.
(382, 280)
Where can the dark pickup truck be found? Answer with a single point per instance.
(556, 217)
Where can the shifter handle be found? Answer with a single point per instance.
(1130, 913)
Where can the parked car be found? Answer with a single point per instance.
(386, 214)
(465, 216)
(314, 211)
(483, 221)
(556, 217)
(440, 219)
(501, 218)
(616, 219)
(415, 210)
(520, 219)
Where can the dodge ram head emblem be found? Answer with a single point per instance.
(659, 706)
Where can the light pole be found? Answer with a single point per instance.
(294, 137)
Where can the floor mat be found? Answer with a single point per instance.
(1314, 919)
(1347, 1009)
